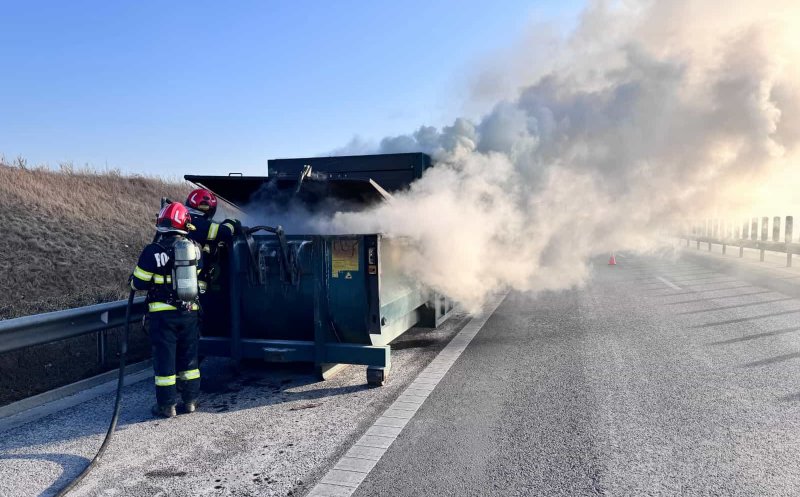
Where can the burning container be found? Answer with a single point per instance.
(327, 299)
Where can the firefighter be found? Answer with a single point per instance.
(202, 205)
(210, 235)
(169, 269)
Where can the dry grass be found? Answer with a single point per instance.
(71, 238)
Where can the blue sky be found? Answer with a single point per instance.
(214, 87)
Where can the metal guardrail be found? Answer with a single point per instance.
(40, 329)
(754, 233)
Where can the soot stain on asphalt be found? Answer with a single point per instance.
(258, 381)
(219, 387)
(220, 483)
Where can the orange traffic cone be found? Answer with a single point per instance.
(612, 261)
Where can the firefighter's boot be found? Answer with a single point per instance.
(164, 411)
(190, 406)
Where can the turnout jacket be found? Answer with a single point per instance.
(208, 233)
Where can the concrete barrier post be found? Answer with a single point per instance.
(764, 235)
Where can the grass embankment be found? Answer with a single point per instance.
(71, 238)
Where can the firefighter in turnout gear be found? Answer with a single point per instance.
(169, 269)
(202, 205)
(213, 238)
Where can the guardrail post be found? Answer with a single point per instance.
(101, 348)
(776, 229)
(699, 234)
(788, 238)
(744, 236)
(723, 234)
(764, 235)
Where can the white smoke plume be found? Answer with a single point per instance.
(648, 114)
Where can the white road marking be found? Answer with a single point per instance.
(356, 464)
(668, 283)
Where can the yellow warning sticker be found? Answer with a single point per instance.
(344, 256)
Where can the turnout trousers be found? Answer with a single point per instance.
(175, 337)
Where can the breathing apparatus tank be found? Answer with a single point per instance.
(184, 271)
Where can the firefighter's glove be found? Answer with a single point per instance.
(237, 225)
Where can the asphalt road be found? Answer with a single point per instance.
(657, 378)
(261, 431)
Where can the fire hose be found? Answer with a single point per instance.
(123, 355)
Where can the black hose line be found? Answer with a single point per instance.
(270, 229)
(123, 355)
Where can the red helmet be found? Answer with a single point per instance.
(174, 218)
(202, 200)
